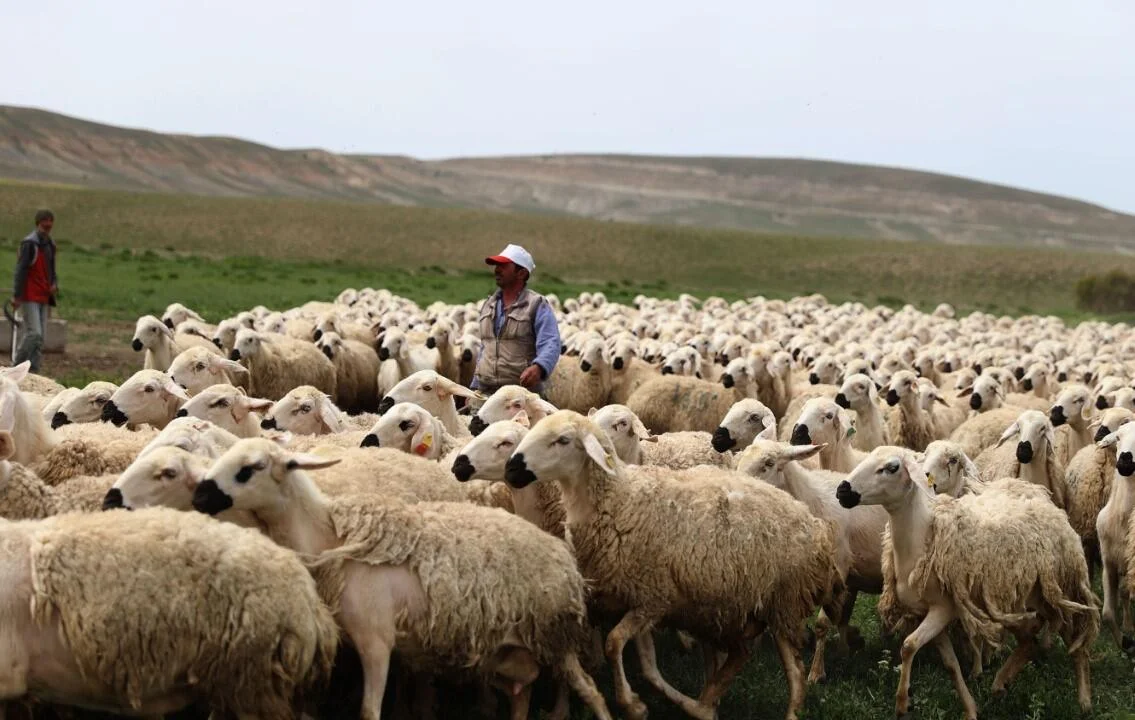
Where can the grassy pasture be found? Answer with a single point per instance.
(125, 254)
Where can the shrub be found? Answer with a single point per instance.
(1111, 292)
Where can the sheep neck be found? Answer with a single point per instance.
(1121, 500)
(449, 417)
(837, 456)
(911, 515)
(163, 354)
(798, 484)
(1035, 472)
(302, 519)
(870, 419)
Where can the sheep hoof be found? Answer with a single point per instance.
(635, 709)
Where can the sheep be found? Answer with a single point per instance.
(858, 393)
(484, 458)
(746, 420)
(985, 394)
(412, 429)
(225, 336)
(1088, 479)
(408, 350)
(25, 496)
(799, 399)
(32, 435)
(176, 314)
(671, 403)
(196, 369)
(636, 446)
(276, 364)
(435, 393)
(1070, 419)
(306, 410)
(82, 406)
(674, 576)
(356, 372)
(57, 400)
(911, 426)
(628, 372)
(823, 422)
(442, 336)
(39, 385)
(583, 385)
(983, 430)
(1033, 459)
(505, 403)
(945, 417)
(457, 607)
(227, 407)
(945, 560)
(89, 450)
(83, 627)
(329, 322)
(147, 397)
(948, 470)
(161, 344)
(192, 435)
(1113, 529)
(858, 532)
(467, 366)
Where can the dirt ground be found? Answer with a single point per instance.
(93, 352)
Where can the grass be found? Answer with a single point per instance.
(124, 254)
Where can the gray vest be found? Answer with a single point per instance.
(504, 357)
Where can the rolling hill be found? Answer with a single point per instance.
(788, 196)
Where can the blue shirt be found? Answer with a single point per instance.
(548, 343)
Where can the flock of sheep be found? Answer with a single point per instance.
(736, 473)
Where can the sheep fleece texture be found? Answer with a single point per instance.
(198, 598)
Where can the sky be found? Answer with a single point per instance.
(1037, 94)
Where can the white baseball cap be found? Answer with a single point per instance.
(513, 254)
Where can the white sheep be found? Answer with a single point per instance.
(443, 335)
(455, 561)
(356, 372)
(948, 470)
(746, 420)
(636, 446)
(147, 397)
(1088, 479)
(583, 385)
(1112, 529)
(307, 410)
(470, 346)
(228, 407)
(653, 576)
(231, 598)
(1002, 560)
(197, 368)
(1071, 416)
(408, 349)
(82, 406)
(277, 364)
(505, 403)
(329, 322)
(672, 402)
(25, 496)
(436, 394)
(32, 436)
(412, 429)
(983, 430)
(1032, 459)
(90, 449)
(912, 426)
(822, 422)
(858, 393)
(52, 406)
(176, 314)
(161, 344)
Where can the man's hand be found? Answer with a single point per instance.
(530, 376)
(15, 303)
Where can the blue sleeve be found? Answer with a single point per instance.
(473, 384)
(548, 344)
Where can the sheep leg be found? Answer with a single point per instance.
(632, 624)
(849, 636)
(1110, 592)
(793, 672)
(950, 660)
(734, 663)
(817, 672)
(375, 656)
(934, 623)
(562, 708)
(1026, 645)
(1081, 662)
(584, 686)
(367, 616)
(648, 659)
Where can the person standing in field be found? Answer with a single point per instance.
(519, 334)
(35, 288)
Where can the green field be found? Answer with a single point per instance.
(126, 254)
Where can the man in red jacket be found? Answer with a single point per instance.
(35, 287)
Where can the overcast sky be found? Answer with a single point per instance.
(1037, 93)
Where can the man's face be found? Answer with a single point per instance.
(506, 274)
(45, 226)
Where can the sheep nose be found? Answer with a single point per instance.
(1025, 452)
(892, 397)
(217, 342)
(842, 401)
(585, 366)
(383, 354)
(113, 499)
(1101, 403)
(722, 440)
(948, 367)
(169, 323)
(814, 378)
(975, 401)
(431, 343)
(268, 423)
(516, 472)
(1056, 415)
(137, 345)
(182, 413)
(667, 370)
(1027, 384)
(1102, 433)
(1125, 465)
(801, 435)
(317, 334)
(618, 364)
(210, 499)
(58, 420)
(727, 380)
(466, 356)
(462, 468)
(371, 440)
(385, 404)
(327, 352)
(1019, 373)
(846, 496)
(234, 355)
(111, 413)
(477, 425)
(1062, 377)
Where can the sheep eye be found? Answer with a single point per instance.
(829, 416)
(504, 443)
(428, 388)
(149, 389)
(199, 367)
(223, 402)
(563, 440)
(168, 474)
(953, 461)
(305, 409)
(769, 463)
(101, 400)
(892, 467)
(405, 425)
(754, 418)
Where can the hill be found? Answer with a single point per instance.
(784, 196)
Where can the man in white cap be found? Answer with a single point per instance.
(520, 340)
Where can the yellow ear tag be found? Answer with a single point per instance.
(424, 446)
(610, 461)
(930, 481)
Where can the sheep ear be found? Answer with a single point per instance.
(545, 407)
(329, 415)
(446, 387)
(592, 411)
(915, 471)
(522, 418)
(1095, 424)
(7, 445)
(769, 433)
(283, 439)
(17, 373)
(173, 389)
(940, 400)
(1049, 435)
(640, 430)
(245, 405)
(967, 391)
(1010, 431)
(599, 454)
(971, 469)
(167, 331)
(218, 363)
(1109, 440)
(307, 461)
(802, 452)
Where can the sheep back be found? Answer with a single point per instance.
(670, 403)
(1088, 478)
(684, 450)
